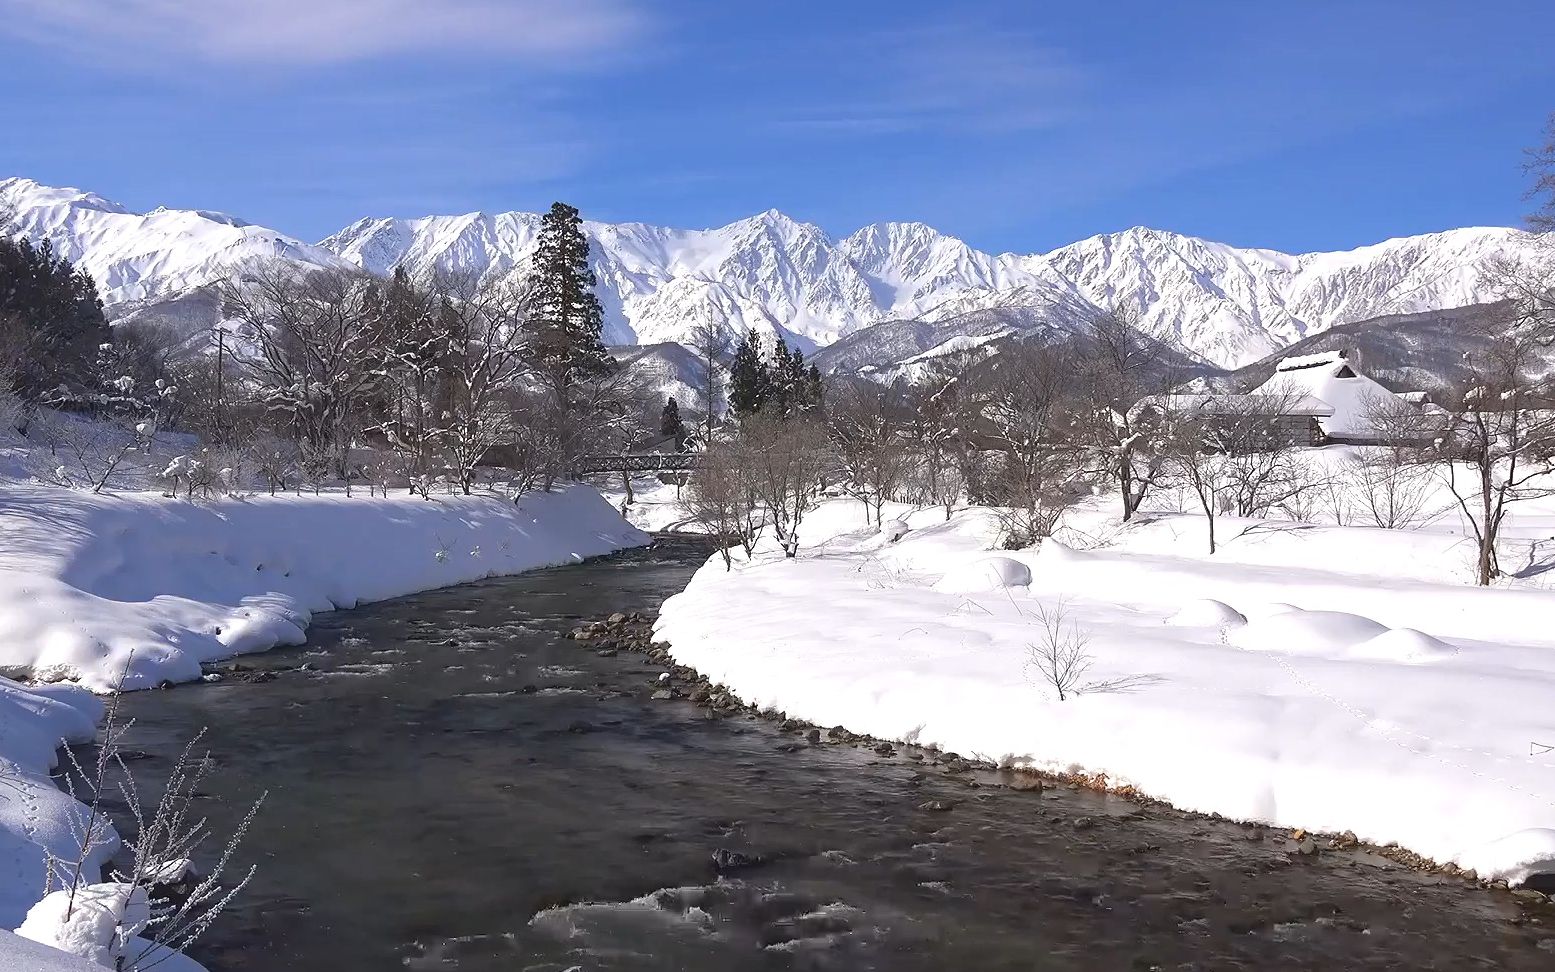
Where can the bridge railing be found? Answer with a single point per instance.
(636, 462)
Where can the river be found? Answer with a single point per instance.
(454, 786)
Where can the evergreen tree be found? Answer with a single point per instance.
(670, 425)
(51, 320)
(565, 318)
(795, 390)
(815, 395)
(749, 384)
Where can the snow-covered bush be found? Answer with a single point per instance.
(94, 454)
(104, 922)
(205, 474)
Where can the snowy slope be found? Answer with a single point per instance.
(1229, 305)
(137, 257)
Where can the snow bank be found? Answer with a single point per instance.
(35, 815)
(1402, 709)
(23, 955)
(92, 584)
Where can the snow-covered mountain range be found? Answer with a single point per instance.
(1229, 305)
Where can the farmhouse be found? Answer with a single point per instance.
(1331, 378)
(1310, 400)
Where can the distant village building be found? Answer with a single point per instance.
(1294, 420)
(1315, 400)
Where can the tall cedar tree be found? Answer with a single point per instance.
(565, 318)
(51, 320)
(749, 381)
(670, 424)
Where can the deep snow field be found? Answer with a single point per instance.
(135, 588)
(1322, 677)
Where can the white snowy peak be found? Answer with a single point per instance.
(136, 257)
(780, 276)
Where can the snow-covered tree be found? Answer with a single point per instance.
(316, 356)
(484, 360)
(670, 424)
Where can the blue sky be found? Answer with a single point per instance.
(1014, 125)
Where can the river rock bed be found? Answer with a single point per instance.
(633, 632)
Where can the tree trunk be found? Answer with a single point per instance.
(1126, 488)
(1487, 532)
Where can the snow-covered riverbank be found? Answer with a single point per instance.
(1341, 678)
(90, 584)
(138, 587)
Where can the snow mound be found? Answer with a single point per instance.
(1308, 633)
(1403, 645)
(1207, 613)
(894, 530)
(1338, 635)
(96, 925)
(1270, 609)
(1518, 856)
(985, 575)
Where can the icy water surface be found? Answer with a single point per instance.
(456, 787)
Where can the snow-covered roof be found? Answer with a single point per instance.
(1299, 362)
(1242, 404)
(1331, 378)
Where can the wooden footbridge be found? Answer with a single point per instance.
(636, 462)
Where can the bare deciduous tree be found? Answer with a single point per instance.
(482, 361)
(785, 459)
(722, 499)
(943, 412)
(710, 343)
(1025, 402)
(1498, 434)
(1235, 453)
(92, 453)
(868, 425)
(1121, 365)
(1059, 657)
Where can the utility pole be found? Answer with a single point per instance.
(221, 374)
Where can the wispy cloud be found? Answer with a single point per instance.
(323, 32)
(965, 77)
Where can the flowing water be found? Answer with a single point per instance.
(454, 786)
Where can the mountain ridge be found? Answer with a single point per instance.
(769, 272)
